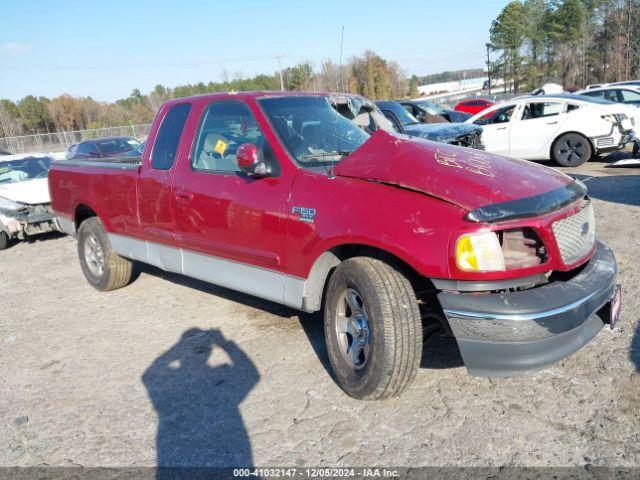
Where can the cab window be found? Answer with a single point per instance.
(167, 140)
(224, 127)
(540, 110)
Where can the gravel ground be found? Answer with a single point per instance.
(172, 370)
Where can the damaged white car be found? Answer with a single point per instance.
(25, 205)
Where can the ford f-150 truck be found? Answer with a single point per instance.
(277, 195)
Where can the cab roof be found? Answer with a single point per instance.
(251, 95)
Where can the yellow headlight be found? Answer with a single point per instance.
(480, 251)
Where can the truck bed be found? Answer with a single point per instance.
(101, 183)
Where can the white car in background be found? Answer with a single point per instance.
(629, 95)
(25, 204)
(566, 128)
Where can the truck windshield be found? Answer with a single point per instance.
(29, 168)
(311, 130)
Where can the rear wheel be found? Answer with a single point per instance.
(571, 150)
(372, 329)
(4, 240)
(102, 267)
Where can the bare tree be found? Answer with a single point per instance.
(157, 97)
(10, 126)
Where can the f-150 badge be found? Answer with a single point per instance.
(305, 214)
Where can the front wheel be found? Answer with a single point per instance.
(372, 329)
(103, 268)
(571, 150)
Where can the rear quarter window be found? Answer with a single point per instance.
(167, 140)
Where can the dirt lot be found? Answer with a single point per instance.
(172, 370)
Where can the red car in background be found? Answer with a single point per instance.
(473, 105)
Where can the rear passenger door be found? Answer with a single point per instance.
(536, 127)
(155, 189)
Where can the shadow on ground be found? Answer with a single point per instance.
(441, 351)
(623, 189)
(196, 387)
(634, 351)
(228, 294)
(44, 237)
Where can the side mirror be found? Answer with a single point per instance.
(249, 161)
(94, 153)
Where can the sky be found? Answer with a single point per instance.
(105, 49)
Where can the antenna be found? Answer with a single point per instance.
(341, 86)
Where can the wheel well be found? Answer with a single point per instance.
(326, 263)
(593, 148)
(82, 213)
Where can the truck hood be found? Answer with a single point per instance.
(31, 192)
(465, 177)
(442, 132)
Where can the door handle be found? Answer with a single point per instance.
(183, 195)
(501, 128)
(552, 123)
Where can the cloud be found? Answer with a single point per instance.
(15, 49)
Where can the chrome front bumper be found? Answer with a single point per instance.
(503, 334)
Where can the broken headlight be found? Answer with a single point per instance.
(491, 251)
(479, 251)
(9, 205)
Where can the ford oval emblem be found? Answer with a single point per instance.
(585, 229)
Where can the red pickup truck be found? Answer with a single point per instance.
(278, 196)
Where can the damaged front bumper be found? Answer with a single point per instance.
(508, 333)
(28, 220)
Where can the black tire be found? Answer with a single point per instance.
(391, 329)
(4, 241)
(571, 150)
(102, 267)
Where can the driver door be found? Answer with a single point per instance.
(496, 128)
(225, 220)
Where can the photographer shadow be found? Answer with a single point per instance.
(199, 421)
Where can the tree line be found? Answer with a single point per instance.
(571, 42)
(367, 74)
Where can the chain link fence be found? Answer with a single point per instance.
(52, 142)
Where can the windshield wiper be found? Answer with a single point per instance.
(340, 153)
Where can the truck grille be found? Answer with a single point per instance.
(575, 235)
